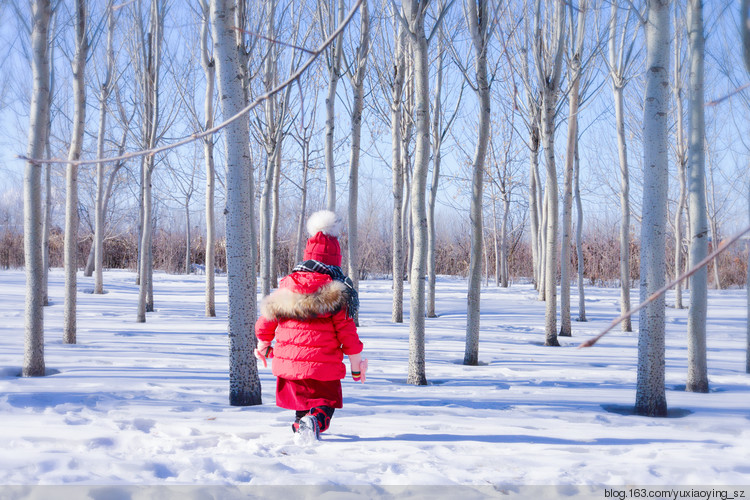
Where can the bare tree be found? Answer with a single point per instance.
(532, 118)
(477, 14)
(71, 184)
(47, 210)
(549, 48)
(357, 71)
(303, 136)
(105, 90)
(577, 32)
(33, 361)
(620, 61)
(579, 236)
(412, 17)
(440, 128)
(150, 76)
(681, 158)
(271, 129)
(331, 14)
(244, 383)
(697, 378)
(397, 169)
(209, 69)
(650, 391)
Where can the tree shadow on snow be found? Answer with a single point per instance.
(504, 439)
(630, 411)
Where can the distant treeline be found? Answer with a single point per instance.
(600, 256)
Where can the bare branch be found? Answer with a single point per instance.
(247, 109)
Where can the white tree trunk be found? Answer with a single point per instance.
(398, 178)
(150, 84)
(697, 377)
(71, 177)
(358, 96)
(209, 69)
(579, 238)
(272, 146)
(533, 197)
(98, 244)
(33, 360)
(244, 383)
(618, 66)
(681, 161)
(415, 13)
(617, 89)
(504, 271)
(713, 221)
(188, 252)
(650, 391)
(300, 239)
(578, 20)
(143, 264)
(47, 210)
(273, 277)
(477, 15)
(549, 68)
(436, 160)
(335, 10)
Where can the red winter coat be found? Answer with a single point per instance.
(307, 317)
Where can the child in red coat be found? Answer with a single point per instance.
(311, 316)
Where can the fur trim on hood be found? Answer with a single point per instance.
(326, 222)
(285, 303)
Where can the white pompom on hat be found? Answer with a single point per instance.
(326, 222)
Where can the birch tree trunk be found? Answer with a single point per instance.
(650, 391)
(271, 144)
(697, 376)
(681, 164)
(244, 383)
(188, 253)
(71, 177)
(574, 97)
(150, 84)
(397, 170)
(33, 359)
(414, 12)
(436, 159)
(47, 210)
(331, 15)
(713, 222)
(548, 72)
(579, 238)
(617, 74)
(533, 124)
(358, 95)
(505, 274)
(209, 69)
(534, 187)
(100, 188)
(477, 16)
(273, 278)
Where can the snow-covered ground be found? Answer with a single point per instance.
(148, 403)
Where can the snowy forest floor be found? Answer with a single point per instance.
(148, 403)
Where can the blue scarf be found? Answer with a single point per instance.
(314, 266)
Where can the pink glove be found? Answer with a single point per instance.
(264, 352)
(359, 376)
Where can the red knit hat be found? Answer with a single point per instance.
(324, 228)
